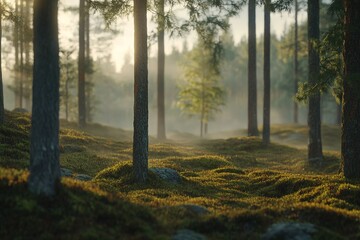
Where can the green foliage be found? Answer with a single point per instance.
(201, 94)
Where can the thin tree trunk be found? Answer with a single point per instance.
(16, 44)
(2, 111)
(141, 138)
(27, 75)
(266, 123)
(252, 92)
(206, 128)
(339, 113)
(296, 63)
(88, 59)
(22, 55)
(350, 139)
(314, 122)
(161, 134)
(44, 149)
(81, 66)
(67, 92)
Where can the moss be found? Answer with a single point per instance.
(244, 186)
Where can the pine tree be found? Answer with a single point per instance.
(315, 145)
(252, 91)
(266, 117)
(161, 70)
(44, 150)
(350, 139)
(201, 95)
(81, 67)
(141, 138)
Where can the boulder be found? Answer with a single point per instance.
(186, 234)
(290, 231)
(167, 174)
(66, 172)
(82, 177)
(196, 209)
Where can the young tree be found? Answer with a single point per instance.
(266, 117)
(252, 91)
(81, 66)
(350, 151)
(44, 149)
(67, 77)
(201, 95)
(161, 134)
(314, 121)
(140, 139)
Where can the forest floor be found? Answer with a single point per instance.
(233, 188)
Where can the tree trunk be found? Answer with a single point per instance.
(140, 144)
(314, 122)
(266, 123)
(44, 149)
(296, 63)
(350, 150)
(88, 86)
(81, 66)
(339, 113)
(252, 92)
(16, 66)
(161, 134)
(2, 111)
(27, 75)
(22, 24)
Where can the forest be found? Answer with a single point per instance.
(180, 119)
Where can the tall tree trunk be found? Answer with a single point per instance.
(16, 44)
(266, 123)
(141, 114)
(314, 122)
(88, 86)
(2, 111)
(350, 139)
(296, 62)
(27, 75)
(81, 66)
(252, 92)
(44, 149)
(22, 24)
(161, 134)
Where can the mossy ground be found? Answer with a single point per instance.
(245, 186)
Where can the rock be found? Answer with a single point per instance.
(290, 231)
(66, 172)
(20, 110)
(83, 177)
(186, 234)
(167, 174)
(199, 210)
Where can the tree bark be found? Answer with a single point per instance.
(140, 144)
(2, 111)
(16, 67)
(44, 149)
(266, 117)
(252, 91)
(88, 103)
(161, 134)
(314, 119)
(350, 150)
(296, 62)
(22, 24)
(81, 66)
